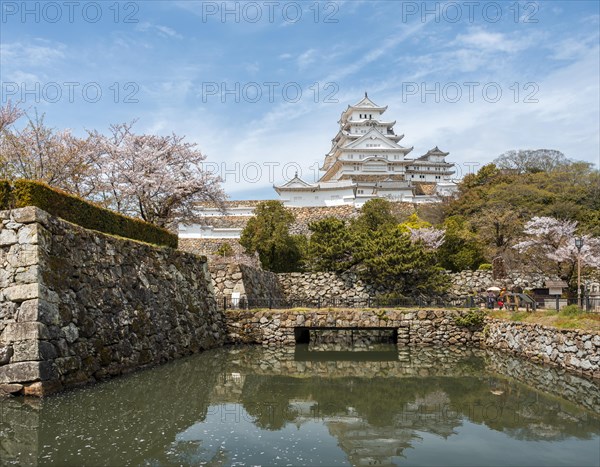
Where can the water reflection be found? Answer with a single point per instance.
(316, 406)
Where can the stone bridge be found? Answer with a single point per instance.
(406, 327)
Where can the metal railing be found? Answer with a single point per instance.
(589, 304)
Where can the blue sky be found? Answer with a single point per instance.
(260, 85)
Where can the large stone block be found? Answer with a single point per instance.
(29, 215)
(27, 275)
(16, 332)
(20, 293)
(25, 372)
(33, 350)
(23, 255)
(28, 234)
(7, 237)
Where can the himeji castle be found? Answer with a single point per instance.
(368, 161)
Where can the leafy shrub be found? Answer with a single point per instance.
(485, 267)
(78, 211)
(4, 194)
(570, 310)
(224, 250)
(472, 319)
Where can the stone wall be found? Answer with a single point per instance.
(252, 284)
(77, 306)
(574, 350)
(464, 282)
(209, 246)
(346, 287)
(422, 327)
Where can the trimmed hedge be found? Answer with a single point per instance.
(22, 193)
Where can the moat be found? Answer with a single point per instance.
(315, 404)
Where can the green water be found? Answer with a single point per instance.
(316, 406)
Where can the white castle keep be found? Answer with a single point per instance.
(365, 162)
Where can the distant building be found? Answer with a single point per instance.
(366, 161)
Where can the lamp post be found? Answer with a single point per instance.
(579, 245)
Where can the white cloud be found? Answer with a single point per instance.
(38, 53)
(306, 58)
(478, 38)
(163, 31)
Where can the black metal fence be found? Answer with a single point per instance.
(591, 304)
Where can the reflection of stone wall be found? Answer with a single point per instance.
(96, 426)
(251, 283)
(78, 305)
(574, 350)
(576, 389)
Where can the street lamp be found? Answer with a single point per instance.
(579, 245)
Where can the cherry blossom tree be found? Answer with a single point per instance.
(431, 237)
(9, 114)
(550, 243)
(157, 178)
(37, 152)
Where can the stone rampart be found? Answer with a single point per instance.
(78, 306)
(347, 287)
(574, 350)
(252, 284)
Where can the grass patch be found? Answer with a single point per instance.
(562, 320)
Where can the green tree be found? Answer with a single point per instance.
(374, 215)
(388, 258)
(462, 248)
(330, 245)
(268, 233)
(496, 203)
